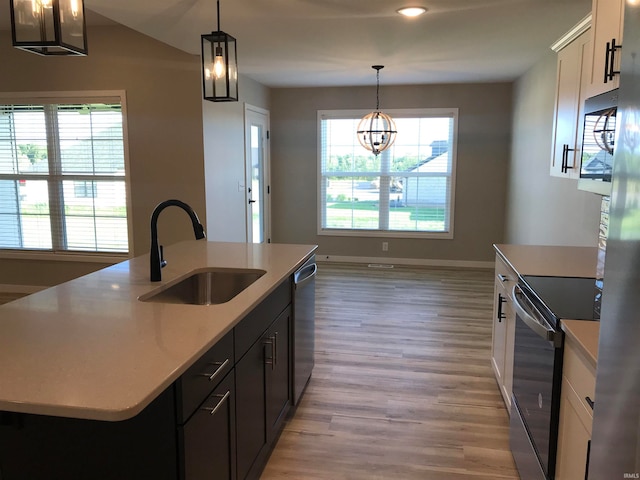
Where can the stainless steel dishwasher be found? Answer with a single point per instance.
(304, 314)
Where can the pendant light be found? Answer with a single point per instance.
(377, 130)
(219, 66)
(49, 27)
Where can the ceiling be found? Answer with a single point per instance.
(305, 43)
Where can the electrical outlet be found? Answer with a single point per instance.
(385, 246)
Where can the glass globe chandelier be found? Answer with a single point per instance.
(377, 130)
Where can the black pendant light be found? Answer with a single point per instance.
(377, 130)
(49, 27)
(219, 66)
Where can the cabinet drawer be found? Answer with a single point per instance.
(580, 375)
(203, 376)
(256, 323)
(505, 276)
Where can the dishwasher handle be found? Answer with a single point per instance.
(305, 274)
(541, 329)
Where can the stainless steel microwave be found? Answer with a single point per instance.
(598, 142)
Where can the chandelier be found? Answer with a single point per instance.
(219, 66)
(377, 130)
(49, 27)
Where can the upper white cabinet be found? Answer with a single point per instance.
(607, 25)
(574, 64)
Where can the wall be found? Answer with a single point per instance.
(541, 209)
(483, 153)
(223, 125)
(164, 106)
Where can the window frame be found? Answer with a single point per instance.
(453, 113)
(78, 97)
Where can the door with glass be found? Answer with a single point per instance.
(257, 174)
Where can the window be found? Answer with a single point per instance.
(406, 191)
(63, 178)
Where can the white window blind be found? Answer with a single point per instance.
(62, 177)
(407, 190)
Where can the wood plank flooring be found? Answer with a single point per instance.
(402, 387)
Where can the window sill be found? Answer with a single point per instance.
(107, 259)
(386, 234)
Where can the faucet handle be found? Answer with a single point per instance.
(163, 262)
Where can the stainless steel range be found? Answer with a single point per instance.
(540, 304)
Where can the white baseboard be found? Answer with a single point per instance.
(412, 262)
(27, 289)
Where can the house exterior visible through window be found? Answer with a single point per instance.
(405, 191)
(63, 174)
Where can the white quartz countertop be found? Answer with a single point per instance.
(549, 260)
(90, 349)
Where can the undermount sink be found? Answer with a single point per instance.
(209, 286)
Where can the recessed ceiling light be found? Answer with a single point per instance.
(411, 11)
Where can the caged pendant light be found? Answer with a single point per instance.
(377, 130)
(49, 27)
(219, 66)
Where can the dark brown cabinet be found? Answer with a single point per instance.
(263, 387)
(218, 421)
(208, 439)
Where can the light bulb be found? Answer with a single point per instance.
(74, 8)
(218, 66)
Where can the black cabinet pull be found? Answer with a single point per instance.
(609, 60)
(501, 300)
(565, 158)
(586, 470)
(590, 402)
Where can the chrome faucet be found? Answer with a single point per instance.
(157, 260)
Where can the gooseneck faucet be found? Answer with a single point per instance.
(157, 260)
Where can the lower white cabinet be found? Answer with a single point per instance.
(576, 414)
(504, 319)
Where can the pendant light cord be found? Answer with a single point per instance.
(218, 1)
(377, 89)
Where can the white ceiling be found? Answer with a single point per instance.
(298, 43)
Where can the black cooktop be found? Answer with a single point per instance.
(564, 297)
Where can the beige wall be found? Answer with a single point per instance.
(541, 209)
(483, 154)
(164, 106)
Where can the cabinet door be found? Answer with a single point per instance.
(250, 407)
(278, 385)
(573, 437)
(607, 23)
(572, 61)
(499, 332)
(209, 439)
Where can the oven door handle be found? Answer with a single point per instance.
(541, 330)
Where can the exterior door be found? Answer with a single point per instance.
(257, 174)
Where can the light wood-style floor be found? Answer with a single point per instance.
(402, 387)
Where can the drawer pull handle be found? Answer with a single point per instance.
(213, 375)
(272, 359)
(590, 402)
(213, 410)
(503, 278)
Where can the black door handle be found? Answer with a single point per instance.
(252, 201)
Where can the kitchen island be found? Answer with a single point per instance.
(88, 359)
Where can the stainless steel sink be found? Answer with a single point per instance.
(205, 287)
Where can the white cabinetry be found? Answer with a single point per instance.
(576, 414)
(503, 329)
(574, 63)
(607, 24)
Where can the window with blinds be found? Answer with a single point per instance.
(406, 191)
(63, 180)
